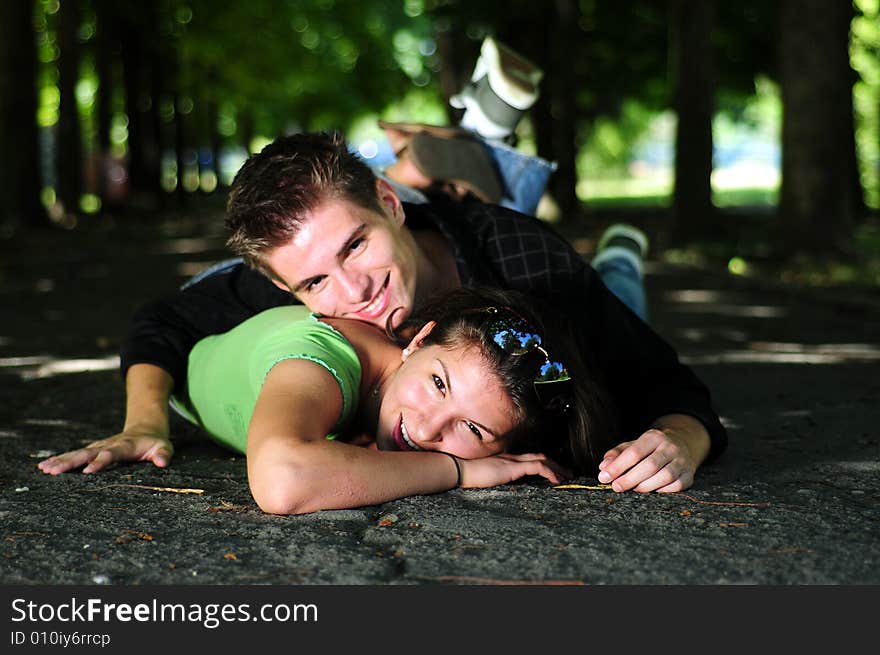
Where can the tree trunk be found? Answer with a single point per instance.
(19, 173)
(453, 77)
(104, 57)
(215, 140)
(816, 199)
(132, 74)
(69, 162)
(137, 31)
(692, 22)
(563, 108)
(180, 124)
(180, 147)
(153, 132)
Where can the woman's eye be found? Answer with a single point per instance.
(473, 428)
(439, 383)
(356, 244)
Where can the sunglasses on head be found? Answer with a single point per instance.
(514, 336)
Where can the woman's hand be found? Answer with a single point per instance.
(127, 446)
(503, 468)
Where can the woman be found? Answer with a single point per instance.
(473, 400)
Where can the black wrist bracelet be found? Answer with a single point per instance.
(457, 468)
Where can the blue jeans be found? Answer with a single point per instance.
(523, 177)
(623, 277)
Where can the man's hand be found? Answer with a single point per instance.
(503, 468)
(664, 459)
(123, 447)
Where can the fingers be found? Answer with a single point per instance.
(653, 462)
(159, 455)
(671, 477)
(629, 455)
(641, 473)
(499, 469)
(677, 485)
(612, 454)
(551, 473)
(539, 464)
(102, 459)
(99, 455)
(559, 471)
(66, 461)
(92, 458)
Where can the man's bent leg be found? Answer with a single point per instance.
(619, 264)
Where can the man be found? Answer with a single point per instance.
(316, 226)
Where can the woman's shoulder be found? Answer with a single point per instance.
(369, 342)
(358, 333)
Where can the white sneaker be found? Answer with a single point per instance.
(625, 236)
(621, 240)
(503, 86)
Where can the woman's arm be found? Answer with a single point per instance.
(294, 469)
(145, 435)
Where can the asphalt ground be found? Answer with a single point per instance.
(793, 501)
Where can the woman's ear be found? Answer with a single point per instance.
(417, 340)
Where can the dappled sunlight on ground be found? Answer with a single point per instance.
(748, 311)
(693, 295)
(187, 246)
(709, 301)
(699, 335)
(44, 366)
(189, 269)
(763, 352)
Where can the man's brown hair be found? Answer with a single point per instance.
(275, 189)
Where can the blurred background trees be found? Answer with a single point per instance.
(691, 110)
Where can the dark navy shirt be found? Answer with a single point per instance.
(492, 246)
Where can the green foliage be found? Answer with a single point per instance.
(865, 59)
(304, 64)
(265, 67)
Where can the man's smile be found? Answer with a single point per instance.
(377, 306)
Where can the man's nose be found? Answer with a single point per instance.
(355, 286)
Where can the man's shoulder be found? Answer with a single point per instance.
(473, 219)
(239, 284)
(503, 246)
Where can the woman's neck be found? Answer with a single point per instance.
(379, 358)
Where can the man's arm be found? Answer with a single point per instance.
(641, 371)
(663, 459)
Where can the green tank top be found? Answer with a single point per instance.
(226, 371)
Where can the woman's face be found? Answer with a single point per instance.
(447, 400)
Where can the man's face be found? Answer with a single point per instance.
(350, 262)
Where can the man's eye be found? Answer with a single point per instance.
(473, 428)
(314, 284)
(439, 383)
(356, 244)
